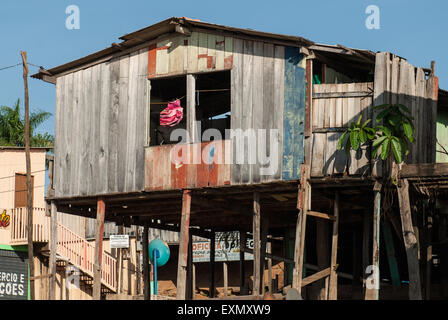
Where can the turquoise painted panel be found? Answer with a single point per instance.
(294, 114)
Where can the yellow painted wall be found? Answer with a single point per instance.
(12, 161)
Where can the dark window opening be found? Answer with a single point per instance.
(213, 103)
(339, 71)
(164, 91)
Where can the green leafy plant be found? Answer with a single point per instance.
(392, 137)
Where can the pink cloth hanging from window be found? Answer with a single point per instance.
(172, 114)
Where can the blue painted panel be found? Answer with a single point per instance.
(293, 114)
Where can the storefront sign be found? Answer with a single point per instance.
(227, 248)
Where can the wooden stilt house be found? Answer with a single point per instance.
(263, 113)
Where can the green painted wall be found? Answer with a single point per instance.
(442, 135)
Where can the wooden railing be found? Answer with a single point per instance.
(19, 230)
(70, 246)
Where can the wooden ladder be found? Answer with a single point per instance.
(304, 207)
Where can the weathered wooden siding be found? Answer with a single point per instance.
(334, 107)
(199, 52)
(100, 127)
(266, 80)
(397, 81)
(204, 165)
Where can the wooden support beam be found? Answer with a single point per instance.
(263, 237)
(269, 251)
(100, 215)
(303, 203)
(321, 215)
(365, 247)
(410, 240)
(333, 282)
(428, 253)
(146, 272)
(191, 109)
(317, 276)
(225, 271)
(190, 288)
(256, 236)
(212, 287)
(242, 262)
(183, 246)
(422, 170)
(372, 291)
(53, 246)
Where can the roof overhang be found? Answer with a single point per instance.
(141, 37)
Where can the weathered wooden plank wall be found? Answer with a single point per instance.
(397, 81)
(334, 107)
(259, 92)
(99, 127)
(199, 52)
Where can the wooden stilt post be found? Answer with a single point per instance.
(256, 237)
(372, 289)
(53, 247)
(225, 272)
(303, 204)
(190, 288)
(242, 262)
(183, 246)
(193, 268)
(100, 215)
(365, 248)
(333, 282)
(212, 266)
(410, 241)
(269, 251)
(263, 238)
(428, 253)
(146, 266)
(120, 263)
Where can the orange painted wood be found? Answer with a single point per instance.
(152, 58)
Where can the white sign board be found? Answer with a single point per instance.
(227, 248)
(119, 241)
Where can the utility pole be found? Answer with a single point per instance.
(29, 204)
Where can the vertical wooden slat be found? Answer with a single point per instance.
(256, 238)
(100, 215)
(242, 262)
(410, 241)
(247, 103)
(183, 245)
(211, 292)
(236, 105)
(333, 283)
(279, 105)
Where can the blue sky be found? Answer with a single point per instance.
(415, 30)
